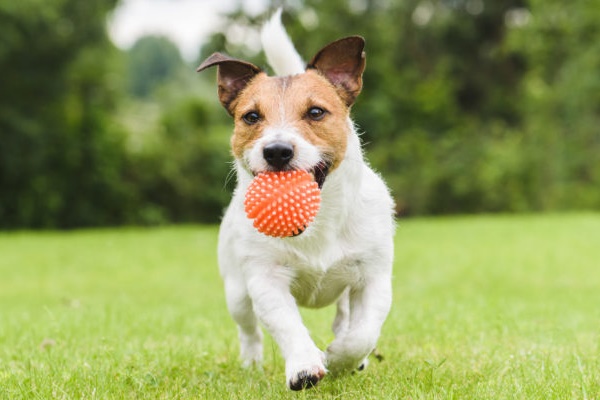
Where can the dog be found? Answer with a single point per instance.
(299, 119)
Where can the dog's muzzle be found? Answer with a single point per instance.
(279, 156)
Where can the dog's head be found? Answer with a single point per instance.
(292, 122)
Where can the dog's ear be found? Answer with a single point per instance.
(233, 76)
(342, 63)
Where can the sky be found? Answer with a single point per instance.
(188, 23)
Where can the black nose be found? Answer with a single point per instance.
(278, 154)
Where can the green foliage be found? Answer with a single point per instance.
(152, 61)
(60, 156)
(178, 149)
(562, 102)
(467, 106)
(69, 157)
(181, 172)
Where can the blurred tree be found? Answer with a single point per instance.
(182, 174)
(562, 101)
(60, 156)
(178, 141)
(467, 106)
(152, 61)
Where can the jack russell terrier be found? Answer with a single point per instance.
(299, 120)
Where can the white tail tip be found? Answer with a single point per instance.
(279, 49)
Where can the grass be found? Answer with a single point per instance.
(485, 308)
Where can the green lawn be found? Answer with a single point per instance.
(484, 308)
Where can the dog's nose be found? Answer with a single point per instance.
(278, 154)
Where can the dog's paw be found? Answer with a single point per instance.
(345, 355)
(337, 365)
(305, 370)
(251, 348)
(252, 356)
(363, 365)
(307, 378)
(252, 363)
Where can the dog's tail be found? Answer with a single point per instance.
(279, 49)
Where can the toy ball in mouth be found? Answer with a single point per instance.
(282, 203)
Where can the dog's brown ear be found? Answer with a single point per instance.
(342, 63)
(233, 76)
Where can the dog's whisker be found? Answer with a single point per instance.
(230, 175)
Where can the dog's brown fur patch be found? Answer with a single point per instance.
(285, 102)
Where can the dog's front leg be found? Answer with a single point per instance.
(277, 310)
(240, 308)
(369, 306)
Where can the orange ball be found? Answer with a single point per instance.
(282, 203)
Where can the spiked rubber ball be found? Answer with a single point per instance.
(282, 203)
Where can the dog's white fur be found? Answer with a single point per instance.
(279, 49)
(344, 256)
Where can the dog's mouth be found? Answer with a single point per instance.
(320, 172)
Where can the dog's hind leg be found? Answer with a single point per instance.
(369, 306)
(341, 321)
(249, 332)
(342, 315)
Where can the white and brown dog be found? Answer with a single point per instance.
(299, 119)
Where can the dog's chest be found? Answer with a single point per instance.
(319, 281)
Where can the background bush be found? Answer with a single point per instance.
(468, 106)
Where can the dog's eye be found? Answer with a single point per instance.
(316, 113)
(251, 117)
